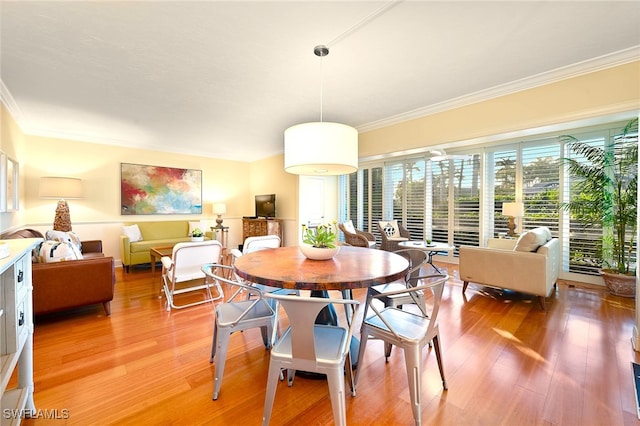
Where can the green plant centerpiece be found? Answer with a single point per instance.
(197, 233)
(607, 188)
(319, 242)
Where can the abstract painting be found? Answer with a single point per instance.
(159, 190)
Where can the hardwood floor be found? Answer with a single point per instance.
(506, 362)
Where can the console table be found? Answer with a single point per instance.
(261, 227)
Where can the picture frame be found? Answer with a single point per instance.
(159, 190)
(3, 182)
(13, 182)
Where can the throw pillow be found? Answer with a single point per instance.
(133, 232)
(348, 226)
(54, 251)
(200, 225)
(531, 240)
(64, 237)
(390, 228)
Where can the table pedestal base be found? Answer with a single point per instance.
(328, 316)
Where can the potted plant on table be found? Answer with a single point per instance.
(607, 185)
(319, 242)
(197, 235)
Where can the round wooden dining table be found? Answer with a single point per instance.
(351, 267)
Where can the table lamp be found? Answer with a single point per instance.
(63, 189)
(219, 209)
(512, 210)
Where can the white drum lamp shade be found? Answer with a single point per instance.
(512, 210)
(321, 148)
(61, 188)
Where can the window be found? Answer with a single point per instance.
(459, 199)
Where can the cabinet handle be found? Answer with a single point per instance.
(20, 276)
(21, 319)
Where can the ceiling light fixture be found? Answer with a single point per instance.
(320, 148)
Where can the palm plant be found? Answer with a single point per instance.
(607, 186)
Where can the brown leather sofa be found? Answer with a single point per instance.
(70, 284)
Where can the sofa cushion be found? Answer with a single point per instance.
(201, 225)
(145, 246)
(55, 251)
(133, 232)
(164, 229)
(348, 226)
(532, 239)
(64, 237)
(390, 228)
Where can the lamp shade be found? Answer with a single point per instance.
(513, 209)
(60, 188)
(219, 208)
(320, 148)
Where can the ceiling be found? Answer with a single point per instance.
(225, 79)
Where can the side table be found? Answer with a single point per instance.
(221, 233)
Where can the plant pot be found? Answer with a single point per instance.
(194, 239)
(619, 284)
(316, 253)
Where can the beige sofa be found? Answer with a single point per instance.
(154, 234)
(500, 266)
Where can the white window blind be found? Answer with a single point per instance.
(540, 186)
(465, 179)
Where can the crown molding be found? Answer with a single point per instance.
(581, 68)
(10, 103)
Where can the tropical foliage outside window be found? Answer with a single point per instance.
(459, 200)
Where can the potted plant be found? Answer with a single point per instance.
(607, 183)
(319, 243)
(197, 235)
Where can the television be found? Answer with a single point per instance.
(266, 205)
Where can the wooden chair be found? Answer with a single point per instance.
(355, 237)
(392, 233)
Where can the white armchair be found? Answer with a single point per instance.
(500, 266)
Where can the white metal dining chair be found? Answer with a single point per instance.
(387, 292)
(410, 331)
(311, 347)
(252, 244)
(236, 314)
(182, 273)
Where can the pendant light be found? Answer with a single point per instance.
(320, 148)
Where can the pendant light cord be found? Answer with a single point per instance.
(379, 11)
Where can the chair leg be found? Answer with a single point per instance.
(335, 380)
(412, 358)
(465, 284)
(387, 351)
(349, 371)
(221, 349)
(272, 382)
(436, 346)
(213, 342)
(267, 336)
(348, 309)
(364, 337)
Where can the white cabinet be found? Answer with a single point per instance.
(16, 331)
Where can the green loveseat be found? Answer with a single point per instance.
(154, 234)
